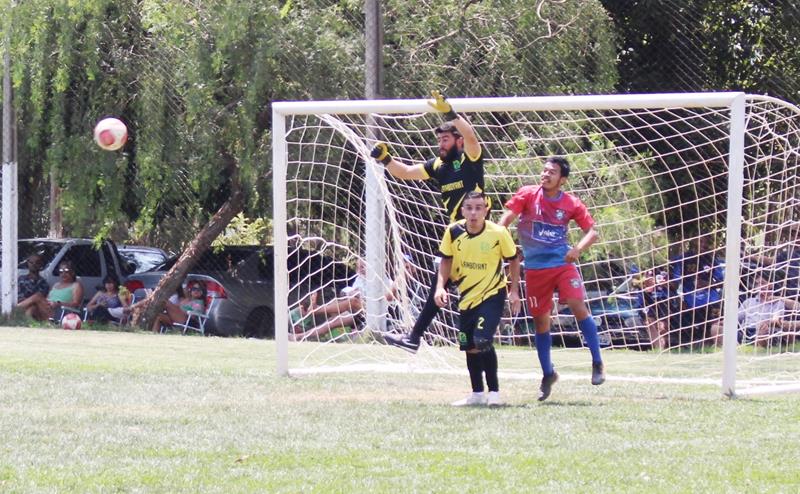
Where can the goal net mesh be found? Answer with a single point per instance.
(656, 182)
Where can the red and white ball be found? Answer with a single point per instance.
(110, 134)
(71, 321)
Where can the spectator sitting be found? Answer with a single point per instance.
(66, 294)
(177, 308)
(787, 259)
(31, 288)
(701, 305)
(654, 298)
(300, 318)
(684, 266)
(107, 304)
(345, 310)
(758, 315)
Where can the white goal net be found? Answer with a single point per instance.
(695, 196)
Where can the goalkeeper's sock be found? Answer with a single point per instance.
(589, 330)
(543, 344)
(489, 358)
(475, 368)
(426, 315)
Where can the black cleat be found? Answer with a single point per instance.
(547, 385)
(598, 373)
(405, 342)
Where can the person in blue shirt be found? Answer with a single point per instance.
(701, 306)
(698, 257)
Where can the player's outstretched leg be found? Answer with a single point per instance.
(410, 342)
(589, 330)
(550, 376)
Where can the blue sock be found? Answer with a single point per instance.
(543, 344)
(589, 330)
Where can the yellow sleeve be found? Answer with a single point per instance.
(446, 245)
(475, 158)
(507, 246)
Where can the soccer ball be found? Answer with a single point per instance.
(110, 134)
(71, 321)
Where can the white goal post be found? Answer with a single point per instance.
(631, 158)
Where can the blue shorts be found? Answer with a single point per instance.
(480, 323)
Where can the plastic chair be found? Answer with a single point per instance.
(123, 318)
(196, 321)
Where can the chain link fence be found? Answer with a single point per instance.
(194, 82)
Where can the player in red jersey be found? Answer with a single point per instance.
(544, 213)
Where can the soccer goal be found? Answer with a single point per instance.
(695, 197)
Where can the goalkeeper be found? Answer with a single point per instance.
(458, 169)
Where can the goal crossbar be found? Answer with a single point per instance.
(526, 103)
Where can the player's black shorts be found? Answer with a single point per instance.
(481, 322)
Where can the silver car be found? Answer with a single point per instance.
(92, 263)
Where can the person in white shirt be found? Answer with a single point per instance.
(346, 310)
(760, 316)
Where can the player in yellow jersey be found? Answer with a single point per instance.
(473, 251)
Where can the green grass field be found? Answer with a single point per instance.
(90, 411)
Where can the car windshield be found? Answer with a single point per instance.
(142, 260)
(611, 304)
(226, 259)
(44, 248)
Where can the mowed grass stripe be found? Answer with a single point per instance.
(133, 412)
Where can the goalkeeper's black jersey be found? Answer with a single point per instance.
(456, 178)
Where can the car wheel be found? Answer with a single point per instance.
(260, 324)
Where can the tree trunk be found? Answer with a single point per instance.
(145, 313)
(56, 223)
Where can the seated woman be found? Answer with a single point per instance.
(177, 309)
(66, 294)
(107, 304)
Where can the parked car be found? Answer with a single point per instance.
(619, 322)
(92, 264)
(142, 258)
(241, 279)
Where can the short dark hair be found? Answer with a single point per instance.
(475, 194)
(562, 163)
(448, 127)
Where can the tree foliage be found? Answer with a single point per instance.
(194, 82)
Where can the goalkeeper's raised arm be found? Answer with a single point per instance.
(455, 138)
(470, 144)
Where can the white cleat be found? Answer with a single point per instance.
(473, 400)
(494, 400)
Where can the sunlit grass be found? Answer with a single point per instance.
(84, 411)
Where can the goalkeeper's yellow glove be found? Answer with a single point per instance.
(381, 153)
(440, 104)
